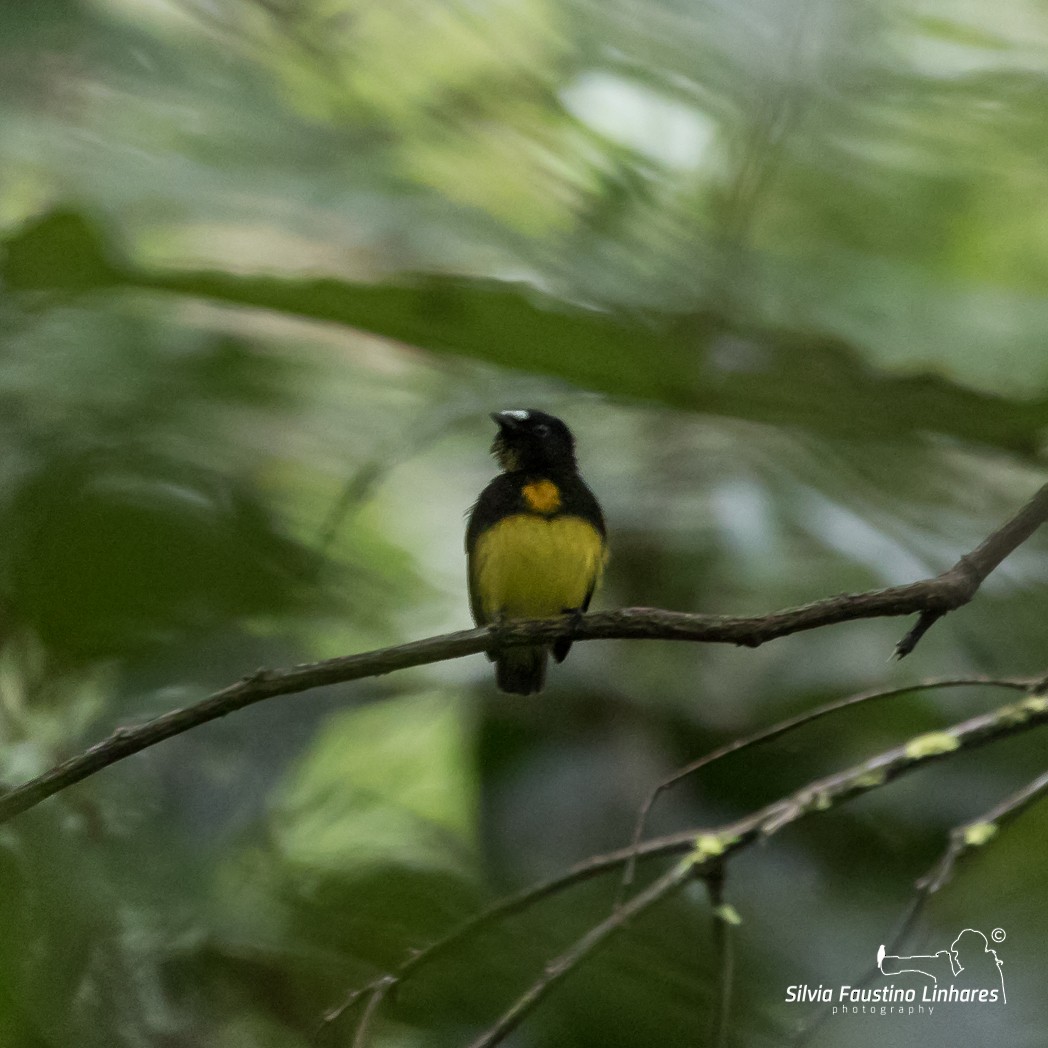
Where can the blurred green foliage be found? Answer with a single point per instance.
(265, 268)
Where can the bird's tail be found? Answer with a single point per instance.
(521, 671)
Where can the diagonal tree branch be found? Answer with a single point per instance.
(930, 597)
(972, 835)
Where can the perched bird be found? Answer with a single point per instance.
(536, 542)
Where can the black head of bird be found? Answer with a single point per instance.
(535, 543)
(532, 441)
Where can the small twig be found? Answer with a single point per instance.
(724, 919)
(980, 831)
(791, 724)
(924, 622)
(351, 998)
(378, 993)
(557, 969)
(711, 849)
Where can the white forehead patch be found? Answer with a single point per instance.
(519, 415)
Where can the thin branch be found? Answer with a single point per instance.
(978, 832)
(826, 793)
(791, 724)
(941, 594)
(924, 622)
(378, 993)
(962, 840)
(561, 966)
(724, 920)
(709, 850)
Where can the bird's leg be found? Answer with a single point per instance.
(562, 645)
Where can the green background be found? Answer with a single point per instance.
(266, 268)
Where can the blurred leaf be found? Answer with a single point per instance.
(105, 552)
(702, 363)
(62, 251)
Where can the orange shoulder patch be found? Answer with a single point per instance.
(543, 496)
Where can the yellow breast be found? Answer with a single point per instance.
(527, 566)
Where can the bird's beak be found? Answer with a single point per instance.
(505, 420)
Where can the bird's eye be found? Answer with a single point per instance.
(542, 430)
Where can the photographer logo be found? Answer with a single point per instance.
(967, 972)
